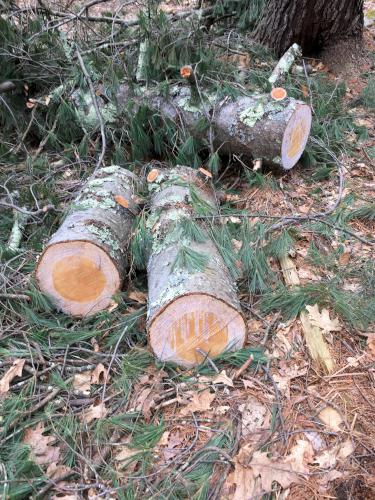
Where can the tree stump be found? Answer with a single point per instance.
(192, 303)
(84, 262)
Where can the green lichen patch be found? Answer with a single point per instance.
(251, 115)
(105, 236)
(94, 202)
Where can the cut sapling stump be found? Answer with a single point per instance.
(193, 309)
(83, 264)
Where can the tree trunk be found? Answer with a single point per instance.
(83, 264)
(193, 307)
(258, 126)
(313, 24)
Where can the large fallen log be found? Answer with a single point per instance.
(193, 309)
(84, 262)
(268, 127)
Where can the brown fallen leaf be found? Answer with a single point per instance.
(253, 416)
(41, 449)
(331, 418)
(199, 402)
(82, 382)
(138, 296)
(55, 471)
(14, 371)
(270, 470)
(300, 455)
(243, 477)
(328, 458)
(99, 375)
(94, 412)
(322, 319)
(371, 345)
(222, 378)
(173, 446)
(344, 258)
(163, 441)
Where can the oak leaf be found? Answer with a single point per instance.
(40, 445)
(322, 319)
(222, 378)
(253, 416)
(94, 412)
(99, 375)
(82, 382)
(199, 402)
(14, 371)
(243, 476)
(270, 470)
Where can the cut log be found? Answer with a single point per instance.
(260, 126)
(83, 264)
(192, 309)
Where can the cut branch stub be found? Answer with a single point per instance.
(83, 264)
(193, 305)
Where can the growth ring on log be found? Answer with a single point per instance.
(84, 262)
(195, 324)
(80, 277)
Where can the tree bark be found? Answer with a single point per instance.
(190, 310)
(313, 24)
(84, 262)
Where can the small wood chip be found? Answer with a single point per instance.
(205, 172)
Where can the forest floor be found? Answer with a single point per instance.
(102, 419)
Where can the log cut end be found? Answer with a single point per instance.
(79, 277)
(195, 324)
(296, 135)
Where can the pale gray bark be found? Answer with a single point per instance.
(169, 206)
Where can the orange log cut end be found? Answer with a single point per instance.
(278, 93)
(195, 323)
(121, 201)
(186, 71)
(152, 175)
(295, 136)
(79, 277)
